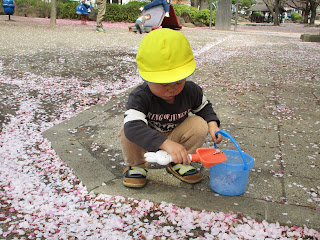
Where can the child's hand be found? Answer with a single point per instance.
(178, 152)
(213, 128)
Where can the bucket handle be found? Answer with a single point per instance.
(227, 135)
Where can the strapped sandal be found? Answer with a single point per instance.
(185, 173)
(134, 177)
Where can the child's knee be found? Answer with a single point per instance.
(195, 127)
(199, 126)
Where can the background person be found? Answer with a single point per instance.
(101, 5)
(141, 21)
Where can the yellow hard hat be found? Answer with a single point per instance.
(165, 56)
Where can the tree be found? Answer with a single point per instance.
(313, 8)
(308, 7)
(200, 4)
(300, 5)
(53, 15)
(244, 4)
(205, 4)
(274, 9)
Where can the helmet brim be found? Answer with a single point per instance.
(169, 76)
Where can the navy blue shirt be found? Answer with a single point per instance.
(147, 114)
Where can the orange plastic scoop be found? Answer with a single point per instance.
(209, 156)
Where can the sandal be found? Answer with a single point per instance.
(134, 177)
(185, 173)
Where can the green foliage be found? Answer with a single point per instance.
(34, 3)
(196, 15)
(18, 2)
(295, 17)
(67, 9)
(256, 14)
(114, 12)
(123, 13)
(193, 12)
(135, 4)
(179, 9)
(244, 4)
(37, 8)
(204, 17)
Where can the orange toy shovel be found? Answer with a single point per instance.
(209, 156)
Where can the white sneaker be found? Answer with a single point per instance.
(141, 9)
(167, 14)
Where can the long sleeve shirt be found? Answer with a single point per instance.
(147, 114)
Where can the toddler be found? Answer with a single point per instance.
(158, 111)
(140, 23)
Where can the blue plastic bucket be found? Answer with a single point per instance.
(230, 178)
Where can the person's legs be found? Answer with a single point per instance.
(132, 153)
(139, 27)
(135, 172)
(152, 4)
(158, 2)
(166, 6)
(101, 11)
(191, 133)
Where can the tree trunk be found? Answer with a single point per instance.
(277, 20)
(195, 3)
(313, 17)
(313, 9)
(204, 4)
(273, 6)
(53, 15)
(200, 4)
(223, 15)
(306, 12)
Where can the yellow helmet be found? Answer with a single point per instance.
(165, 56)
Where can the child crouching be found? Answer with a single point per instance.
(157, 112)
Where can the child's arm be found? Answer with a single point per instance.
(136, 127)
(178, 152)
(138, 132)
(213, 128)
(205, 110)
